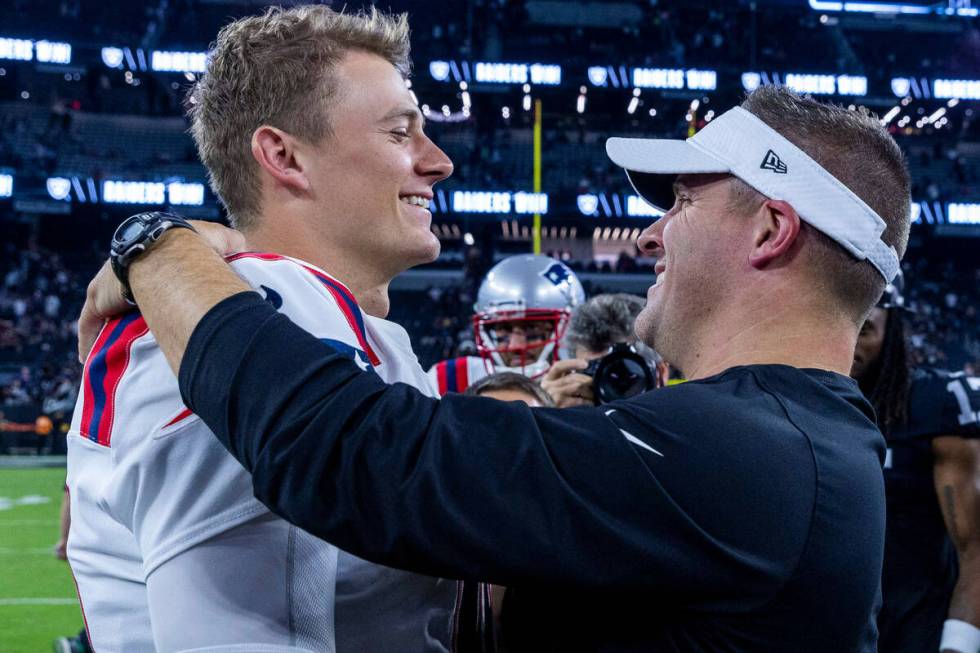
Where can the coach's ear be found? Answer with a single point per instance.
(275, 150)
(775, 229)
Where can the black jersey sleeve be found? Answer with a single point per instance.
(960, 405)
(662, 492)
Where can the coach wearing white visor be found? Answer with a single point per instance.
(741, 511)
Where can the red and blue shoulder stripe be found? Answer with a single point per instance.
(345, 299)
(104, 370)
(452, 375)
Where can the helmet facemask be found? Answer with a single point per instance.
(543, 330)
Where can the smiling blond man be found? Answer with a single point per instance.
(316, 148)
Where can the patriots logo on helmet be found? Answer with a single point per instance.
(556, 274)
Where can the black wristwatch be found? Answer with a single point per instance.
(134, 236)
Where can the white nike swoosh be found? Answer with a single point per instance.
(635, 440)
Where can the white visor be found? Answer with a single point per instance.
(740, 144)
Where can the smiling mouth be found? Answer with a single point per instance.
(416, 200)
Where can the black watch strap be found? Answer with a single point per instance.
(135, 235)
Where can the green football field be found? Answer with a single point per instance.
(37, 595)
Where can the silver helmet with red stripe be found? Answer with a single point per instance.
(521, 313)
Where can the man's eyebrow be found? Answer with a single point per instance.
(680, 187)
(413, 115)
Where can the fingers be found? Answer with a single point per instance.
(236, 243)
(571, 390)
(577, 385)
(567, 382)
(223, 240)
(563, 367)
(103, 300)
(566, 386)
(88, 330)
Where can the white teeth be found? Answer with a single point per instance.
(416, 200)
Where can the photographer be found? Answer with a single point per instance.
(596, 326)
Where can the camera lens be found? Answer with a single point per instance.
(622, 378)
(620, 375)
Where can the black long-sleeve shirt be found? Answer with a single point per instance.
(742, 512)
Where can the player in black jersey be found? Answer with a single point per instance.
(932, 546)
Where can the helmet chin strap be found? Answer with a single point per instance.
(532, 370)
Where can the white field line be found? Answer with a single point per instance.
(45, 601)
(6, 550)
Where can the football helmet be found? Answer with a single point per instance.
(521, 312)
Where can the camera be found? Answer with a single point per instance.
(620, 374)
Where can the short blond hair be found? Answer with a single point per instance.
(855, 148)
(276, 69)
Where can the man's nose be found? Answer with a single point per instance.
(433, 164)
(650, 241)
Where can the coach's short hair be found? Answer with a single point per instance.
(603, 321)
(855, 148)
(511, 381)
(277, 69)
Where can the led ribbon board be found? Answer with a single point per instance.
(178, 62)
(517, 73)
(693, 79)
(464, 201)
(613, 205)
(495, 72)
(964, 89)
(29, 50)
(957, 213)
(921, 8)
(153, 192)
(856, 85)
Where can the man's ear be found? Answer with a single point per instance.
(776, 228)
(276, 152)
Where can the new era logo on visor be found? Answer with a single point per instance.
(774, 163)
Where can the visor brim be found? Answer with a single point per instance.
(652, 165)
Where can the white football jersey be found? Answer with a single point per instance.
(151, 485)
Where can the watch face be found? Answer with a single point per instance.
(131, 231)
